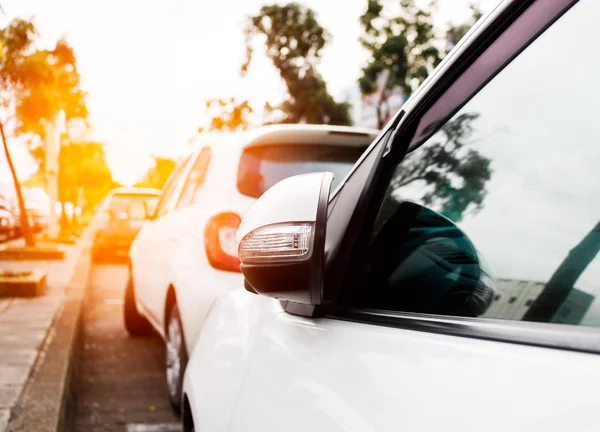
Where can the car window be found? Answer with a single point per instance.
(120, 203)
(195, 178)
(496, 215)
(263, 166)
(169, 188)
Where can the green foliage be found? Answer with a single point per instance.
(294, 40)
(227, 115)
(403, 48)
(453, 175)
(404, 45)
(455, 34)
(37, 84)
(157, 175)
(83, 173)
(53, 85)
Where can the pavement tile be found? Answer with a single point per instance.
(24, 339)
(4, 416)
(17, 356)
(14, 374)
(9, 396)
(24, 323)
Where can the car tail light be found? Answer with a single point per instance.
(219, 241)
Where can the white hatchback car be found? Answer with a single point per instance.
(186, 255)
(377, 309)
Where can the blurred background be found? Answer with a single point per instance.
(127, 85)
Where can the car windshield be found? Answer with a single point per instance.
(120, 203)
(262, 167)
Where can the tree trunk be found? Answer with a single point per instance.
(381, 114)
(25, 228)
(564, 278)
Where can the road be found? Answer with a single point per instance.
(120, 384)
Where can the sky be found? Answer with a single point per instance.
(149, 65)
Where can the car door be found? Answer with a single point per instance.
(150, 250)
(469, 300)
(186, 262)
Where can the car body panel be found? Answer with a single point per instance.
(219, 364)
(473, 384)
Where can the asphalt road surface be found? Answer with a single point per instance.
(120, 383)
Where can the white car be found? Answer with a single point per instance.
(451, 281)
(185, 255)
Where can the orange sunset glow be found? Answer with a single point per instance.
(148, 67)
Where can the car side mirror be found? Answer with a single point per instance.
(281, 240)
(137, 210)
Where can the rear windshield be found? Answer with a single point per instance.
(262, 167)
(120, 203)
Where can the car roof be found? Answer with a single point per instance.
(312, 134)
(134, 191)
(290, 134)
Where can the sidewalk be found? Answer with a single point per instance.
(24, 323)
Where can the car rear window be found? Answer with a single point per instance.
(263, 166)
(120, 203)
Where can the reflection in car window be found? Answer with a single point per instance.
(262, 167)
(517, 170)
(195, 178)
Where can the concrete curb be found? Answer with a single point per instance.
(45, 404)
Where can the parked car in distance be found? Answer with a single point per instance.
(5, 204)
(185, 255)
(452, 282)
(11, 217)
(7, 224)
(37, 206)
(115, 225)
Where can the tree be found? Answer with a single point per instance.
(404, 49)
(83, 171)
(294, 40)
(452, 174)
(35, 85)
(157, 175)
(227, 115)
(456, 33)
(563, 280)
(15, 40)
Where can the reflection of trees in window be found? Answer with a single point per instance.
(564, 278)
(454, 175)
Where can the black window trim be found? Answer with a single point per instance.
(548, 335)
(561, 336)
